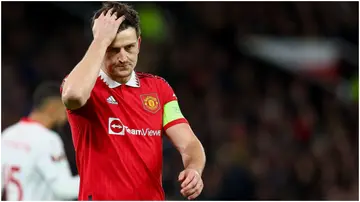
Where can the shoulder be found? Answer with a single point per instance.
(49, 136)
(51, 141)
(45, 135)
(54, 137)
(143, 75)
(10, 131)
(37, 137)
(152, 78)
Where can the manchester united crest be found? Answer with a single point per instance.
(150, 102)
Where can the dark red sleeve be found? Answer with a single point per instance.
(167, 92)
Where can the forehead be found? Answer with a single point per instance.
(125, 37)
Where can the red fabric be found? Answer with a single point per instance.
(119, 146)
(28, 120)
(173, 123)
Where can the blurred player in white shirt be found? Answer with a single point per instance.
(33, 162)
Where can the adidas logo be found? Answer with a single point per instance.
(111, 100)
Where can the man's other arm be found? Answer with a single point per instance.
(189, 146)
(183, 138)
(179, 131)
(193, 157)
(192, 152)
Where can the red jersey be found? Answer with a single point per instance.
(117, 136)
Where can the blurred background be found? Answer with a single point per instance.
(270, 89)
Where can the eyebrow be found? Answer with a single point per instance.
(129, 44)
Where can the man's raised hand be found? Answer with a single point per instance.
(106, 26)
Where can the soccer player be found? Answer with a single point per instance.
(33, 162)
(118, 117)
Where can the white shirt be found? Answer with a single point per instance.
(34, 164)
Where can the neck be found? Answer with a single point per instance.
(119, 79)
(122, 80)
(42, 118)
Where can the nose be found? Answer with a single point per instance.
(121, 56)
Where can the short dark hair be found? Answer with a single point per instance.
(46, 90)
(132, 18)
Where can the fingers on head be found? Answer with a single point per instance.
(121, 19)
(109, 12)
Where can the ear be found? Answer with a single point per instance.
(139, 42)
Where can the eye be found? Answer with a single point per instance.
(113, 50)
(129, 47)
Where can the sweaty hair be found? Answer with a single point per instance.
(44, 91)
(132, 18)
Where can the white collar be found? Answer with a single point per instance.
(133, 82)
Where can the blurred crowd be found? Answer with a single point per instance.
(268, 134)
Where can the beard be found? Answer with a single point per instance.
(121, 70)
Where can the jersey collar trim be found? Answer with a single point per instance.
(133, 82)
(28, 120)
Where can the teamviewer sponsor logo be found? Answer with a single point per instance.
(116, 127)
(142, 132)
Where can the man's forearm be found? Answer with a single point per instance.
(81, 80)
(193, 156)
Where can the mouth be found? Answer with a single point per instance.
(120, 67)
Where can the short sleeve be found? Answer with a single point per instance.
(172, 114)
